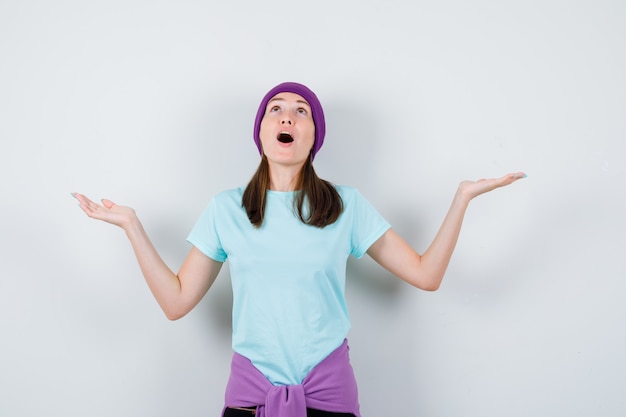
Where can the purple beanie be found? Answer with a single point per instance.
(310, 97)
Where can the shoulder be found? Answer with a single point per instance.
(228, 196)
(349, 194)
(345, 190)
(225, 201)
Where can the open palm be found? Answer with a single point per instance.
(475, 188)
(108, 211)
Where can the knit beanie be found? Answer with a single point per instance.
(310, 97)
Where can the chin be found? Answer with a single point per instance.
(287, 161)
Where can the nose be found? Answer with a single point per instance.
(286, 119)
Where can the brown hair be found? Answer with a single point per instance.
(324, 204)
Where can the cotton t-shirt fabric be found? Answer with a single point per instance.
(288, 278)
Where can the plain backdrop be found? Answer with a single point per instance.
(151, 104)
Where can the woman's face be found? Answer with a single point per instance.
(287, 130)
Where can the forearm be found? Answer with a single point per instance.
(435, 260)
(178, 293)
(162, 281)
(426, 271)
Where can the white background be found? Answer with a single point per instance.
(151, 104)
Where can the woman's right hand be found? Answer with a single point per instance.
(108, 211)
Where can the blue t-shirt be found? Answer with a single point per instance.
(288, 278)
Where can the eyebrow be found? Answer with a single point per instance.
(282, 99)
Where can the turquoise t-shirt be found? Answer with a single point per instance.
(288, 278)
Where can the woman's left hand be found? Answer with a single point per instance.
(471, 189)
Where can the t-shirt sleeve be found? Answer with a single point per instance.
(368, 224)
(205, 235)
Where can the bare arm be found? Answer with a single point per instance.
(426, 271)
(178, 293)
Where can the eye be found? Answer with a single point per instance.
(274, 108)
(302, 110)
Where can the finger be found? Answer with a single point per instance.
(89, 207)
(510, 178)
(83, 201)
(79, 197)
(107, 203)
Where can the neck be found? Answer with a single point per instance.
(284, 178)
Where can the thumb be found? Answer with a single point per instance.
(107, 203)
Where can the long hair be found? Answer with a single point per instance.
(323, 202)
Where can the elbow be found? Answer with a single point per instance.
(427, 283)
(174, 314)
(434, 283)
(431, 287)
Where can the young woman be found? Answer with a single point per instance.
(287, 236)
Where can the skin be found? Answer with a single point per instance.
(178, 293)
(286, 112)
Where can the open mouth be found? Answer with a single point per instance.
(285, 137)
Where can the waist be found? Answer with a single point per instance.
(329, 386)
(310, 412)
(286, 357)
